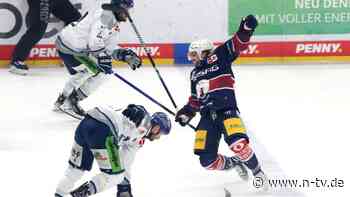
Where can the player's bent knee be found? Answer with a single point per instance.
(200, 140)
(207, 160)
(234, 126)
(213, 162)
(105, 181)
(74, 173)
(71, 176)
(113, 179)
(242, 149)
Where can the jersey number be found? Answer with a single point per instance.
(202, 88)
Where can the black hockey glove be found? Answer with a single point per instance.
(184, 115)
(104, 63)
(247, 27)
(128, 56)
(124, 190)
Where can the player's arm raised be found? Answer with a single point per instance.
(240, 40)
(245, 31)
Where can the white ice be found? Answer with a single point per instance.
(297, 117)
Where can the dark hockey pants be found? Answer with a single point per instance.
(37, 19)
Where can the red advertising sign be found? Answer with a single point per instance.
(49, 52)
(156, 50)
(302, 48)
(39, 52)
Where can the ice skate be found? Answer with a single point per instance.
(73, 99)
(240, 168)
(69, 106)
(18, 68)
(85, 190)
(59, 104)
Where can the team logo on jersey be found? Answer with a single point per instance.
(99, 156)
(141, 142)
(116, 28)
(195, 75)
(75, 154)
(211, 59)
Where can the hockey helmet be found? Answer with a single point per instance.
(119, 8)
(135, 113)
(198, 47)
(163, 121)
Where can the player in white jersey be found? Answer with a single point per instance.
(112, 139)
(87, 48)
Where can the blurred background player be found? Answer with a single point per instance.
(213, 95)
(87, 48)
(112, 139)
(38, 18)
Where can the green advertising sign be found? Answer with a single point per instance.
(289, 17)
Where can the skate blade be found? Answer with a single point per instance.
(55, 109)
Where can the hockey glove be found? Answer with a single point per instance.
(247, 27)
(184, 115)
(128, 56)
(104, 63)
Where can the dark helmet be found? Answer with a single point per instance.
(119, 8)
(135, 113)
(163, 121)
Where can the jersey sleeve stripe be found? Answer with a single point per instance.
(239, 44)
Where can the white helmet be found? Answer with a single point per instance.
(199, 46)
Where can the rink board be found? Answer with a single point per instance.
(167, 53)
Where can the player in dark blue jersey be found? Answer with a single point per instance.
(213, 95)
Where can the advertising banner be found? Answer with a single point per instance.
(46, 53)
(156, 24)
(289, 30)
(290, 17)
(284, 52)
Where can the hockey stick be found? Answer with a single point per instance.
(149, 97)
(70, 114)
(143, 45)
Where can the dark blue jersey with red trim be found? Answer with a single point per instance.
(212, 82)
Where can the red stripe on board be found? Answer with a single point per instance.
(39, 52)
(49, 52)
(6, 52)
(156, 50)
(301, 48)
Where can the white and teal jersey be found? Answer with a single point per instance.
(129, 137)
(121, 127)
(95, 32)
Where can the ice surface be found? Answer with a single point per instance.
(297, 118)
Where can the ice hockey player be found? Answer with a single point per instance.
(213, 95)
(38, 19)
(111, 138)
(87, 48)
